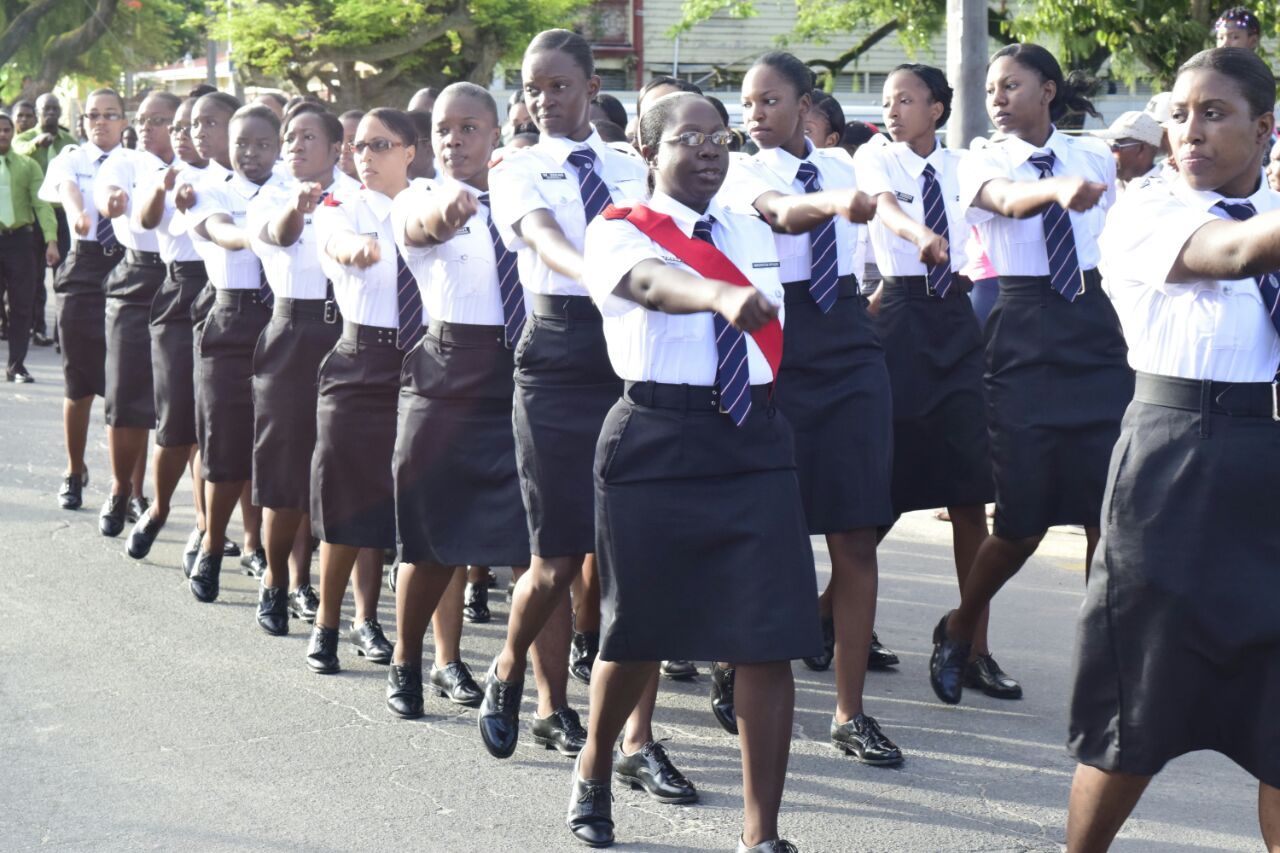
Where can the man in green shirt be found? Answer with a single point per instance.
(21, 213)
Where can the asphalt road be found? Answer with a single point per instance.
(133, 717)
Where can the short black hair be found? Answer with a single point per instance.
(169, 99)
(569, 43)
(421, 124)
(201, 89)
(397, 121)
(355, 114)
(609, 131)
(260, 112)
(476, 93)
(275, 96)
(796, 72)
(612, 107)
(17, 105)
(112, 93)
(857, 133)
(936, 82)
(1069, 96)
(720, 108)
(230, 103)
(830, 109)
(6, 117)
(1243, 66)
(329, 122)
(666, 80)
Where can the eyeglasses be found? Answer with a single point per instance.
(1120, 146)
(377, 146)
(180, 129)
(694, 138)
(152, 121)
(103, 116)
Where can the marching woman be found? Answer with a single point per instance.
(131, 288)
(1178, 646)
(833, 386)
(932, 343)
(217, 219)
(702, 542)
(542, 200)
(1056, 378)
(305, 324)
(457, 491)
(353, 509)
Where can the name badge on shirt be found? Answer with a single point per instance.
(903, 197)
(765, 265)
(465, 229)
(554, 176)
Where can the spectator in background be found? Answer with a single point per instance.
(1238, 27)
(273, 101)
(518, 119)
(423, 100)
(824, 124)
(200, 90)
(350, 121)
(608, 108)
(659, 86)
(1134, 139)
(855, 135)
(736, 144)
(24, 116)
(523, 139)
(129, 139)
(610, 133)
(424, 158)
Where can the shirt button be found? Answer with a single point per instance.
(462, 258)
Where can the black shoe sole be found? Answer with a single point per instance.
(318, 670)
(493, 750)
(139, 553)
(411, 716)
(871, 762)
(360, 652)
(281, 633)
(109, 534)
(466, 703)
(549, 743)
(595, 844)
(637, 785)
(994, 694)
(477, 620)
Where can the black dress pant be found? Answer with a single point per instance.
(40, 306)
(19, 276)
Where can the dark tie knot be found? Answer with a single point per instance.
(702, 229)
(1044, 162)
(930, 173)
(582, 158)
(808, 175)
(484, 199)
(1238, 210)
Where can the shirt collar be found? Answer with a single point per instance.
(560, 147)
(913, 163)
(94, 151)
(1206, 200)
(783, 163)
(378, 203)
(1020, 151)
(683, 216)
(246, 188)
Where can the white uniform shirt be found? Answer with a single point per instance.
(898, 170)
(229, 270)
(541, 178)
(294, 272)
(77, 163)
(1211, 329)
(128, 170)
(171, 234)
(774, 170)
(1016, 246)
(650, 346)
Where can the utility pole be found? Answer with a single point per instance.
(967, 70)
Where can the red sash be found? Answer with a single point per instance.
(706, 260)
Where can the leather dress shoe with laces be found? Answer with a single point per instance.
(650, 769)
(456, 684)
(777, 845)
(404, 690)
(475, 604)
(861, 737)
(679, 670)
(947, 664)
(205, 577)
(590, 815)
(823, 661)
(18, 375)
(985, 674)
(369, 641)
(499, 716)
(878, 657)
(322, 650)
(71, 496)
(582, 655)
(111, 518)
(143, 536)
(303, 603)
(138, 506)
(722, 698)
(41, 339)
(273, 610)
(255, 564)
(561, 731)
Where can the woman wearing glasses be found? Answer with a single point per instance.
(353, 508)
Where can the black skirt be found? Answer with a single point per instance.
(564, 387)
(173, 354)
(457, 491)
(224, 393)
(81, 306)
(285, 366)
(352, 492)
(1057, 385)
(131, 288)
(834, 389)
(1178, 644)
(933, 351)
(702, 542)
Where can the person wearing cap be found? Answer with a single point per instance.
(1238, 27)
(1135, 140)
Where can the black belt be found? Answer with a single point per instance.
(798, 291)
(466, 333)
(185, 268)
(307, 309)
(1234, 399)
(1089, 280)
(693, 398)
(918, 287)
(566, 307)
(145, 259)
(93, 247)
(368, 336)
(239, 298)
(20, 229)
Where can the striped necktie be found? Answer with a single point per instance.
(595, 195)
(823, 257)
(409, 303)
(1268, 283)
(732, 374)
(509, 289)
(1059, 239)
(104, 233)
(939, 276)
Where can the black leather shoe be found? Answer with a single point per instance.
(303, 603)
(322, 651)
(985, 674)
(562, 731)
(456, 684)
(229, 548)
(40, 339)
(369, 641)
(143, 536)
(861, 737)
(112, 516)
(590, 815)
(255, 564)
(138, 507)
(722, 698)
(404, 690)
(582, 655)
(947, 665)
(823, 662)
(878, 657)
(499, 716)
(72, 494)
(18, 375)
(651, 769)
(205, 577)
(475, 604)
(273, 610)
(679, 670)
(192, 551)
(777, 845)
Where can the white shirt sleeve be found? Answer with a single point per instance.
(404, 205)
(514, 194)
(746, 181)
(327, 221)
(613, 248)
(116, 172)
(1145, 232)
(210, 199)
(979, 168)
(61, 169)
(870, 166)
